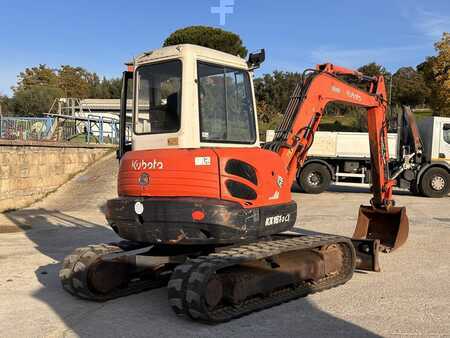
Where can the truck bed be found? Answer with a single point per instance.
(329, 144)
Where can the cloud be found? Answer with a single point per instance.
(429, 23)
(357, 57)
(432, 24)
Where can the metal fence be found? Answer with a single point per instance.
(60, 128)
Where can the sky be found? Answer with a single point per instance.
(102, 35)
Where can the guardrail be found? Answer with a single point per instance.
(62, 128)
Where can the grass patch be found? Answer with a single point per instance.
(339, 123)
(422, 113)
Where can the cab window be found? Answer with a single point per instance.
(158, 98)
(225, 104)
(447, 132)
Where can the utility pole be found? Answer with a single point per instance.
(1, 116)
(389, 110)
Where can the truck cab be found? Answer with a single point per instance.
(435, 133)
(433, 175)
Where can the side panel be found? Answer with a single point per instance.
(346, 144)
(172, 173)
(272, 186)
(426, 133)
(324, 144)
(259, 176)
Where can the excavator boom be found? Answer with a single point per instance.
(295, 135)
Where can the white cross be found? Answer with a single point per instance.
(225, 7)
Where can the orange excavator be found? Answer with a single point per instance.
(203, 209)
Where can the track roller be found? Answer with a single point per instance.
(248, 278)
(87, 273)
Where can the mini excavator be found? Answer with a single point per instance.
(206, 211)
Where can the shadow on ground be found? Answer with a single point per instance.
(55, 234)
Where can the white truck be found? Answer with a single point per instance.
(343, 157)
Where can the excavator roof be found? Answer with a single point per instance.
(188, 50)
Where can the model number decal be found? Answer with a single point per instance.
(349, 93)
(353, 95)
(142, 165)
(273, 220)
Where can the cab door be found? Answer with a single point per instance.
(444, 144)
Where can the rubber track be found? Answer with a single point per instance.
(188, 283)
(75, 270)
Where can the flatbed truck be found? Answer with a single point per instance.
(420, 162)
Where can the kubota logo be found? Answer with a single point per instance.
(336, 89)
(142, 165)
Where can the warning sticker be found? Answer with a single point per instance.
(203, 160)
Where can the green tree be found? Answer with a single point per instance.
(409, 87)
(94, 86)
(436, 73)
(36, 89)
(268, 118)
(373, 69)
(41, 76)
(276, 89)
(5, 104)
(214, 38)
(426, 69)
(74, 81)
(441, 69)
(111, 88)
(357, 114)
(36, 100)
(105, 88)
(272, 93)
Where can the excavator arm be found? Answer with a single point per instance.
(295, 135)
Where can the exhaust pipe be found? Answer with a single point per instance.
(390, 226)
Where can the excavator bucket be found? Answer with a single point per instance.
(391, 226)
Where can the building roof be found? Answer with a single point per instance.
(103, 104)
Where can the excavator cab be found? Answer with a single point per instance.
(188, 97)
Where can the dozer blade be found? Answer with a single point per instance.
(390, 226)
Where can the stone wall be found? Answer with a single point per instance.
(31, 170)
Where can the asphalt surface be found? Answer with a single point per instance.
(410, 297)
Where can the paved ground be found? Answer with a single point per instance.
(411, 297)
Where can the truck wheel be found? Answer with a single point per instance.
(435, 183)
(314, 178)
